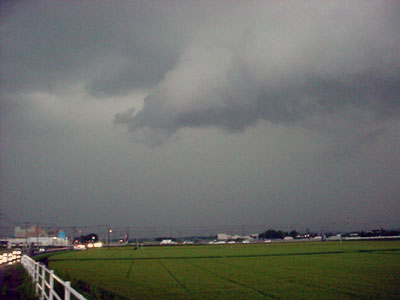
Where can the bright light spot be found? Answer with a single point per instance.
(98, 245)
(90, 245)
(79, 247)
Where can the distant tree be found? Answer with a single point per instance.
(271, 234)
(389, 232)
(159, 239)
(367, 234)
(293, 234)
(91, 237)
(79, 239)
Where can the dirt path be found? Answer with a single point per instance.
(9, 281)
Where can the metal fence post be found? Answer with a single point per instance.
(51, 280)
(36, 277)
(47, 287)
(32, 265)
(43, 281)
(28, 263)
(33, 271)
(67, 293)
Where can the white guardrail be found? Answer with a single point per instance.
(43, 280)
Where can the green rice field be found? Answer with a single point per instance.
(310, 270)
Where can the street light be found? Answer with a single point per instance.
(108, 235)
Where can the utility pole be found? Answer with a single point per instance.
(1, 219)
(26, 235)
(37, 235)
(108, 235)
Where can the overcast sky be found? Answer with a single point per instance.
(201, 113)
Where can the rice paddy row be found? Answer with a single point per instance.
(331, 270)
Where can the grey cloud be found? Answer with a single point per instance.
(213, 65)
(332, 61)
(109, 49)
(35, 53)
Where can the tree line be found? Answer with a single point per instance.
(277, 234)
(88, 238)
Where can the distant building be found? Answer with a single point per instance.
(33, 231)
(166, 242)
(38, 236)
(37, 231)
(223, 236)
(236, 237)
(38, 241)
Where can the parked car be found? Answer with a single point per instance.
(79, 247)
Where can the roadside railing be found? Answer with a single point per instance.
(44, 281)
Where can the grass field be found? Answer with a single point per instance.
(321, 270)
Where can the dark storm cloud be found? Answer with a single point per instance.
(213, 65)
(208, 64)
(291, 104)
(317, 59)
(49, 45)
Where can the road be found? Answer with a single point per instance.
(9, 282)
